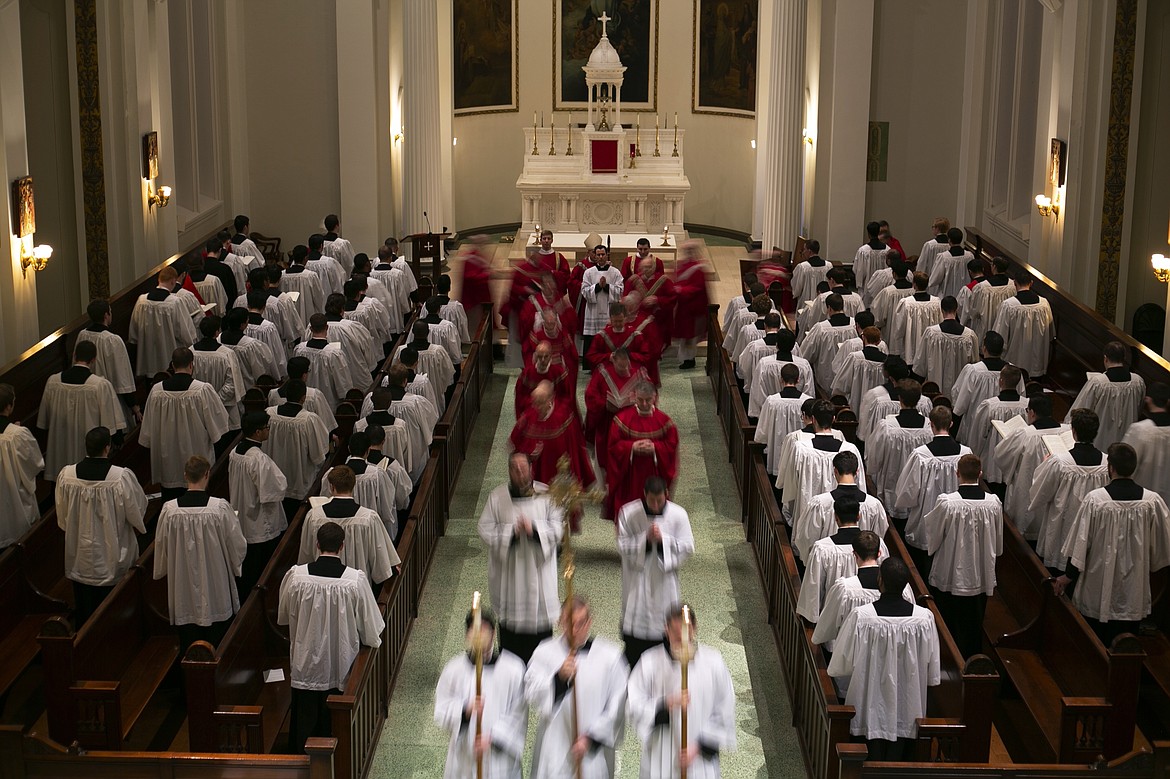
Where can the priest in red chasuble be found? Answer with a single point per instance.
(525, 283)
(656, 297)
(643, 442)
(611, 388)
(548, 296)
(632, 261)
(690, 309)
(541, 369)
(553, 262)
(548, 430)
(475, 287)
(619, 334)
(564, 351)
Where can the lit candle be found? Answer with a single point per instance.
(534, 120)
(570, 120)
(676, 120)
(655, 121)
(542, 118)
(638, 121)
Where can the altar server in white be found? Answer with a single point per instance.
(911, 316)
(930, 471)
(256, 487)
(451, 309)
(981, 435)
(310, 294)
(655, 541)
(265, 330)
(948, 347)
(298, 368)
(889, 650)
(183, 417)
(377, 458)
(74, 402)
(964, 535)
(935, 245)
(760, 347)
(656, 701)
(100, 506)
(1019, 454)
(806, 467)
(417, 411)
(1120, 536)
(870, 256)
(765, 377)
(501, 706)
(113, 361)
(858, 371)
(419, 382)
(980, 380)
(331, 614)
(849, 592)
(218, 365)
(1061, 483)
(522, 530)
(861, 320)
(159, 324)
(601, 285)
(328, 270)
(1116, 395)
(780, 416)
(887, 299)
(20, 462)
(893, 439)
(297, 440)
(589, 682)
(356, 342)
(199, 548)
(1150, 438)
(244, 246)
(256, 358)
(986, 298)
(407, 425)
(368, 547)
(830, 558)
(328, 369)
(335, 246)
(823, 339)
(442, 331)
(818, 519)
(374, 488)
(807, 274)
(433, 359)
(949, 272)
(1025, 322)
(880, 402)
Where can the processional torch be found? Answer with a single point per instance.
(477, 653)
(684, 660)
(568, 495)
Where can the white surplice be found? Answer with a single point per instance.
(710, 715)
(597, 299)
(600, 707)
(984, 439)
(877, 404)
(329, 620)
(805, 471)
(984, 304)
(374, 489)
(1152, 444)
(505, 716)
(964, 536)
(221, 369)
(522, 570)
(765, 381)
(650, 576)
(1058, 489)
(454, 313)
(857, 375)
(944, 355)
(200, 550)
(436, 364)
(420, 417)
(816, 311)
(949, 273)
(330, 273)
(1017, 457)
(314, 401)
(298, 446)
(976, 383)
(399, 446)
(159, 327)
(310, 294)
(778, 417)
(210, 288)
(69, 411)
(255, 358)
(267, 333)
(99, 519)
(341, 250)
(867, 261)
(177, 425)
(846, 594)
(422, 385)
(847, 348)
(113, 361)
(888, 449)
(878, 280)
(1117, 403)
(257, 487)
(805, 278)
(820, 347)
(930, 251)
(818, 521)
(924, 477)
(1027, 332)
(825, 563)
(20, 462)
(885, 302)
(890, 662)
(328, 371)
(907, 325)
(1116, 545)
(358, 347)
(368, 547)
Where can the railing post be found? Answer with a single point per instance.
(980, 687)
(1126, 657)
(320, 752)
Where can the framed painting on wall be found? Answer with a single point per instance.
(724, 74)
(486, 66)
(150, 155)
(632, 28)
(1058, 156)
(24, 214)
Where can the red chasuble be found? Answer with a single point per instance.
(634, 339)
(536, 304)
(576, 277)
(660, 290)
(528, 379)
(690, 310)
(629, 269)
(771, 271)
(608, 393)
(525, 282)
(558, 266)
(546, 440)
(475, 288)
(628, 470)
(563, 349)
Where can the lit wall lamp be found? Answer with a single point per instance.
(160, 198)
(1046, 206)
(24, 216)
(1161, 267)
(35, 257)
(806, 136)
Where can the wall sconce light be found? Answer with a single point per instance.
(1046, 206)
(806, 136)
(753, 143)
(35, 257)
(1161, 267)
(160, 198)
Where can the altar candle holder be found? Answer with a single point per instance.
(657, 151)
(569, 151)
(638, 136)
(675, 152)
(535, 151)
(552, 135)
(666, 235)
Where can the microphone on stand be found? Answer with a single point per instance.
(429, 230)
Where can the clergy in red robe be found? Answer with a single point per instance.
(541, 369)
(643, 442)
(690, 310)
(611, 388)
(525, 282)
(547, 431)
(475, 287)
(564, 351)
(656, 298)
(547, 297)
(619, 334)
(553, 262)
(632, 262)
(777, 270)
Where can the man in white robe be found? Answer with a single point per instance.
(1026, 324)
(245, 247)
(870, 256)
(380, 293)
(880, 402)
(500, 709)
(256, 359)
(331, 614)
(1061, 483)
(780, 416)
(862, 320)
(218, 365)
(398, 443)
(765, 378)
(1120, 536)
(806, 466)
(586, 681)
(979, 432)
(909, 321)
(930, 471)
(74, 402)
(949, 271)
(434, 361)
(830, 558)
(394, 278)
(329, 369)
(256, 487)
(265, 330)
(887, 299)
(822, 340)
(656, 700)
(889, 650)
(861, 370)
(442, 331)
(20, 462)
(979, 381)
(376, 457)
(743, 315)
(183, 417)
(759, 348)
(849, 592)
(419, 382)
(310, 294)
(281, 308)
(894, 438)
(947, 347)
(818, 520)
(113, 361)
(199, 548)
(749, 326)
(368, 547)
(419, 414)
(935, 245)
(654, 541)
(298, 369)
(601, 285)
(209, 288)
(1150, 438)
(452, 310)
(809, 271)
(328, 270)
(986, 298)
(817, 310)
(964, 535)
(100, 506)
(335, 246)
(1116, 395)
(522, 529)
(362, 308)
(745, 298)
(159, 324)
(975, 269)
(374, 488)
(1017, 457)
(297, 442)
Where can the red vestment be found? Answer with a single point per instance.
(475, 288)
(532, 308)
(546, 440)
(629, 269)
(563, 349)
(634, 339)
(628, 470)
(530, 377)
(660, 290)
(525, 282)
(772, 271)
(608, 392)
(556, 264)
(690, 310)
(576, 279)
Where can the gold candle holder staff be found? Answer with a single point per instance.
(535, 151)
(675, 152)
(569, 151)
(657, 151)
(666, 235)
(638, 135)
(684, 661)
(552, 135)
(477, 653)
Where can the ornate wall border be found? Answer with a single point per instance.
(93, 168)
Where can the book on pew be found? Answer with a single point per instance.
(1005, 429)
(1059, 443)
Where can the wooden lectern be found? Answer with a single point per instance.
(427, 246)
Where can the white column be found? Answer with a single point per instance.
(422, 151)
(782, 147)
(359, 103)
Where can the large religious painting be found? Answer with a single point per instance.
(486, 62)
(632, 28)
(724, 76)
(24, 215)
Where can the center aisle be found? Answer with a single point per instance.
(720, 581)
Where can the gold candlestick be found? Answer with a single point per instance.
(675, 152)
(552, 135)
(638, 136)
(569, 151)
(657, 151)
(535, 151)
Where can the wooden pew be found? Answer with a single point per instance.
(1072, 699)
(25, 609)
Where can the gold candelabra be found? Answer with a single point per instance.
(569, 151)
(675, 152)
(657, 151)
